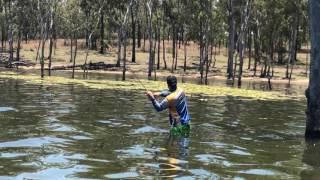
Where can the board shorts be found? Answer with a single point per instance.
(181, 130)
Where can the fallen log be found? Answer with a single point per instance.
(98, 66)
(14, 64)
(89, 66)
(64, 67)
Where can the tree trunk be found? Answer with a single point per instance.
(86, 59)
(119, 46)
(250, 49)
(307, 59)
(159, 46)
(150, 45)
(176, 54)
(185, 56)
(154, 55)
(280, 50)
(124, 55)
(42, 58)
(54, 39)
(241, 49)
(43, 37)
(93, 42)
(313, 91)
(101, 32)
(242, 38)
(231, 40)
(75, 55)
(38, 48)
(164, 51)
(202, 56)
(139, 34)
(2, 36)
(87, 28)
(8, 17)
(173, 48)
(144, 42)
(42, 51)
(51, 43)
(18, 45)
(293, 52)
(214, 59)
(256, 50)
(71, 49)
(133, 24)
(176, 61)
(208, 62)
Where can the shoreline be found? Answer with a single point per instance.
(162, 74)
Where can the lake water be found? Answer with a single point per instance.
(70, 131)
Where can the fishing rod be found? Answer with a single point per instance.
(135, 77)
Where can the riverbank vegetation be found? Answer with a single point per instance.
(201, 38)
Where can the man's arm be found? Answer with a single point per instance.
(159, 106)
(163, 93)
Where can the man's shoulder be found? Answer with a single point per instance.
(181, 91)
(165, 93)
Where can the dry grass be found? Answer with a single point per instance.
(62, 57)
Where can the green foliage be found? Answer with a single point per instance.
(189, 17)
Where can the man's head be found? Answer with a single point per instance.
(172, 83)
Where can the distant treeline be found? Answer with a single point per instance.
(268, 32)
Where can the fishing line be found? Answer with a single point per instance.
(135, 77)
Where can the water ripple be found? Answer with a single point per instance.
(33, 142)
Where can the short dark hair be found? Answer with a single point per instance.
(172, 82)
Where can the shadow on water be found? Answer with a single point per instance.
(311, 157)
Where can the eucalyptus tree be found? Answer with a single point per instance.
(186, 26)
(134, 13)
(88, 10)
(26, 22)
(245, 14)
(72, 26)
(123, 31)
(43, 14)
(150, 8)
(2, 25)
(294, 36)
(52, 31)
(206, 27)
(102, 5)
(19, 9)
(231, 37)
(171, 11)
(9, 15)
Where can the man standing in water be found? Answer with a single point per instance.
(175, 100)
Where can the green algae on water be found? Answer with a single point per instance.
(140, 85)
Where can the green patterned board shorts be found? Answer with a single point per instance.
(181, 130)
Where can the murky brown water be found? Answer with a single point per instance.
(62, 132)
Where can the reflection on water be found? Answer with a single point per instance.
(311, 158)
(68, 131)
(5, 109)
